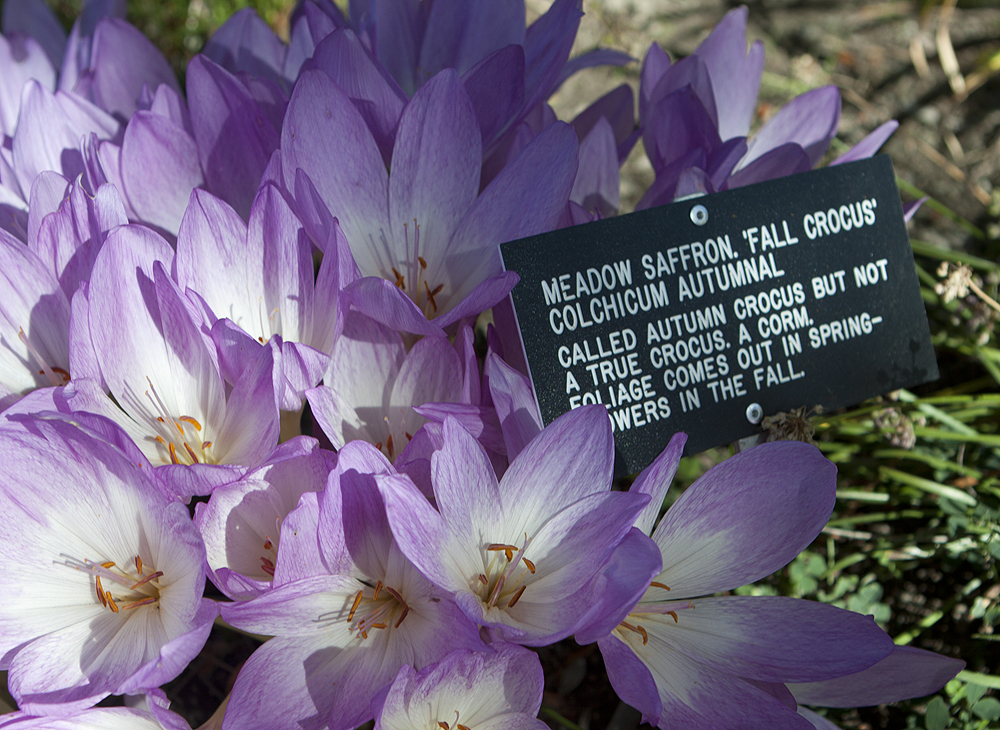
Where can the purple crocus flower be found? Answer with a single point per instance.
(165, 378)
(373, 384)
(34, 323)
(519, 555)
(260, 279)
(682, 657)
(103, 591)
(349, 613)
(499, 691)
(242, 522)
(423, 227)
(49, 129)
(696, 116)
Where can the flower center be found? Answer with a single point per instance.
(504, 580)
(121, 588)
(267, 321)
(376, 608)
(413, 280)
(180, 440)
(57, 376)
(270, 554)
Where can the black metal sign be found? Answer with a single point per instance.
(703, 315)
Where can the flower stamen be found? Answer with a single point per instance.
(637, 629)
(517, 597)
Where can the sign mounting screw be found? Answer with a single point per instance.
(754, 413)
(699, 215)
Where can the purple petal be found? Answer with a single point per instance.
(869, 145)
(351, 511)
(291, 609)
(631, 678)
(654, 66)
(212, 257)
(423, 534)
(701, 699)
(465, 346)
(49, 129)
(70, 240)
(479, 421)
(516, 407)
(458, 35)
(496, 89)
(250, 431)
(596, 184)
(693, 181)
(735, 72)
(431, 372)
(22, 58)
(156, 143)
(484, 296)
(809, 120)
(465, 486)
(235, 138)
(788, 159)
(775, 638)
(48, 191)
(435, 168)
(375, 94)
(549, 474)
(547, 44)
(617, 107)
(745, 518)
(302, 367)
(246, 43)
(400, 24)
(123, 60)
(526, 198)
(328, 139)
(285, 257)
(910, 209)
(384, 302)
(680, 124)
(237, 350)
(723, 159)
(906, 673)
(619, 586)
(655, 481)
(175, 655)
(299, 553)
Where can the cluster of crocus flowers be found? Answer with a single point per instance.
(317, 222)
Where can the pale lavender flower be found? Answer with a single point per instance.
(423, 227)
(170, 394)
(682, 656)
(519, 555)
(34, 323)
(499, 691)
(260, 279)
(242, 522)
(346, 615)
(103, 589)
(373, 384)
